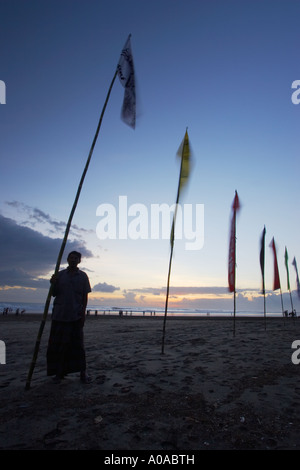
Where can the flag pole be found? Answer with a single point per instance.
(46, 308)
(170, 262)
(264, 292)
(262, 266)
(265, 315)
(291, 302)
(286, 257)
(292, 305)
(232, 256)
(167, 299)
(183, 175)
(234, 292)
(282, 308)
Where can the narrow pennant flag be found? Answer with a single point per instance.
(184, 153)
(294, 263)
(232, 248)
(276, 283)
(125, 69)
(286, 260)
(262, 258)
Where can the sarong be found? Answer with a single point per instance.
(65, 353)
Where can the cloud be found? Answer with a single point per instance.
(183, 290)
(32, 216)
(244, 303)
(129, 297)
(17, 277)
(26, 255)
(104, 287)
(217, 298)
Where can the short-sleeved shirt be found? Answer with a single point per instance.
(69, 291)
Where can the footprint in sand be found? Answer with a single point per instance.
(4, 384)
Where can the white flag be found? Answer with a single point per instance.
(125, 70)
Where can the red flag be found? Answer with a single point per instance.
(276, 283)
(232, 253)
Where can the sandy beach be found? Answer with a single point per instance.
(210, 390)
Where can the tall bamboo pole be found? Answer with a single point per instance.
(234, 292)
(262, 266)
(46, 308)
(172, 237)
(282, 307)
(291, 302)
(265, 315)
(288, 281)
(232, 256)
(292, 313)
(169, 271)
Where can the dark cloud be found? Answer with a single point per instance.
(20, 278)
(26, 254)
(103, 287)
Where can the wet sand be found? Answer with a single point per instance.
(210, 390)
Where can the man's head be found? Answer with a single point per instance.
(74, 258)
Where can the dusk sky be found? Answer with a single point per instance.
(224, 69)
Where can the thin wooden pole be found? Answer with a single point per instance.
(291, 301)
(234, 293)
(166, 304)
(265, 315)
(262, 267)
(264, 292)
(292, 313)
(171, 252)
(42, 325)
(232, 256)
(170, 264)
(282, 307)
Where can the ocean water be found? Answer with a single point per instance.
(132, 311)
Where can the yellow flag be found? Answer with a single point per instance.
(184, 153)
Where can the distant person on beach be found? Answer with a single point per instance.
(66, 353)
